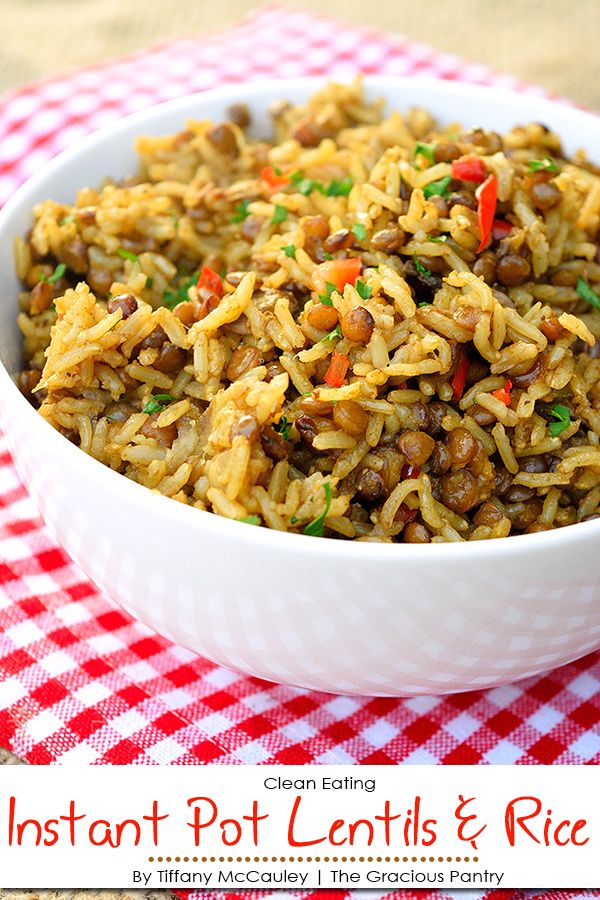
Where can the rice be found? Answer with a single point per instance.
(312, 333)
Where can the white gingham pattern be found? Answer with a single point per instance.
(80, 681)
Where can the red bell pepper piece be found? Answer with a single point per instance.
(501, 229)
(409, 471)
(503, 394)
(338, 272)
(273, 178)
(469, 168)
(338, 367)
(487, 196)
(210, 281)
(460, 376)
(405, 514)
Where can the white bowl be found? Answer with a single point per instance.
(352, 618)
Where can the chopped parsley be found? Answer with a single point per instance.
(335, 189)
(149, 282)
(112, 419)
(127, 254)
(326, 297)
(424, 303)
(56, 275)
(437, 238)
(426, 150)
(587, 293)
(290, 251)
(280, 215)
(171, 299)
(157, 403)
(66, 220)
(316, 527)
(283, 427)
(363, 290)
(563, 419)
(421, 269)
(359, 231)
(241, 211)
(439, 188)
(542, 165)
(250, 520)
(336, 333)
(327, 255)
(340, 188)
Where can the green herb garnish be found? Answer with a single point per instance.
(111, 419)
(439, 188)
(316, 527)
(340, 188)
(250, 520)
(127, 254)
(290, 251)
(157, 403)
(306, 186)
(280, 215)
(587, 293)
(421, 269)
(326, 297)
(171, 299)
(426, 150)
(424, 303)
(283, 427)
(327, 255)
(359, 231)
(56, 275)
(241, 211)
(542, 165)
(336, 333)
(66, 220)
(363, 290)
(149, 282)
(563, 419)
(438, 238)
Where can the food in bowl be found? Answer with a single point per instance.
(370, 327)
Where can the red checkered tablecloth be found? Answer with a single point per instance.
(80, 680)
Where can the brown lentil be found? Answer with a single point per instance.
(416, 533)
(314, 407)
(513, 270)
(170, 358)
(439, 461)
(416, 446)
(358, 325)
(273, 445)
(488, 514)
(125, 302)
(242, 360)
(322, 317)
(388, 240)
(351, 417)
(239, 114)
(459, 491)
(462, 446)
(307, 429)
(370, 487)
(41, 297)
(339, 240)
(75, 255)
(164, 437)
(223, 139)
(546, 195)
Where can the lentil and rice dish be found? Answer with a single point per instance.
(370, 327)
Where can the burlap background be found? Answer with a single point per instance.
(554, 44)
